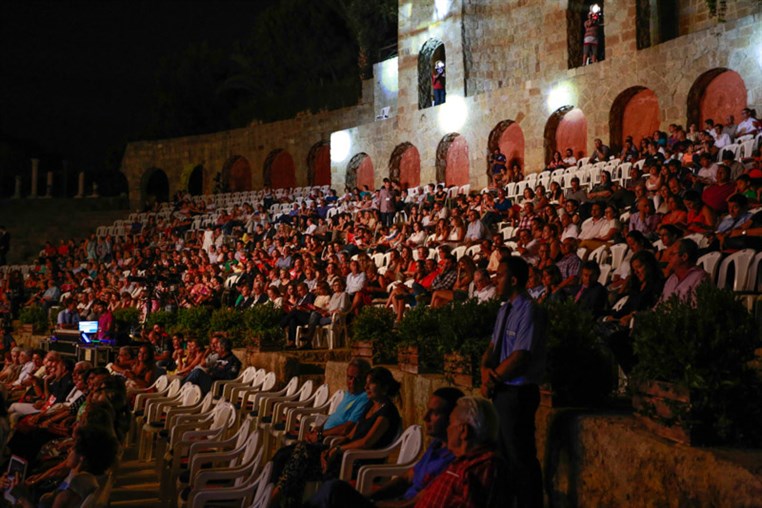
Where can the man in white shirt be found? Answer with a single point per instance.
(720, 138)
(483, 289)
(749, 124)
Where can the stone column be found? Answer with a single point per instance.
(81, 185)
(35, 168)
(95, 191)
(49, 185)
(17, 192)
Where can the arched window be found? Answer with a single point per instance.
(154, 187)
(716, 94)
(360, 172)
(431, 73)
(635, 113)
(586, 39)
(280, 170)
(236, 175)
(319, 164)
(452, 162)
(566, 128)
(405, 165)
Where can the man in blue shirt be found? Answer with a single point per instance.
(512, 369)
(351, 407)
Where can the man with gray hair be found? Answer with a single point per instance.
(477, 475)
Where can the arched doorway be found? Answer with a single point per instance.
(431, 51)
(154, 187)
(196, 181)
(280, 170)
(319, 164)
(405, 165)
(566, 128)
(716, 94)
(452, 160)
(360, 172)
(236, 175)
(507, 137)
(635, 113)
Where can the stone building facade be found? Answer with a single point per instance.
(513, 82)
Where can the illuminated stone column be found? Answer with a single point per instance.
(81, 185)
(17, 191)
(49, 185)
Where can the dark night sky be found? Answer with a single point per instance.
(77, 78)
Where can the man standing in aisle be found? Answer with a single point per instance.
(512, 369)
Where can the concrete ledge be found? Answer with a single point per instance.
(607, 458)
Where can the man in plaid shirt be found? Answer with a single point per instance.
(447, 277)
(476, 478)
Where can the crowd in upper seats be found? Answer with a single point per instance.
(332, 254)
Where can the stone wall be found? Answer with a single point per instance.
(178, 156)
(505, 61)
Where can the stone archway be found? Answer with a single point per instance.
(507, 137)
(319, 164)
(716, 94)
(279, 170)
(154, 186)
(431, 51)
(635, 112)
(565, 128)
(196, 181)
(236, 175)
(405, 165)
(360, 172)
(452, 162)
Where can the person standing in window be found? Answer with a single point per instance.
(438, 82)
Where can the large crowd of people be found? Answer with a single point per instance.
(322, 256)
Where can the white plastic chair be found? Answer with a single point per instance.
(605, 272)
(618, 251)
(409, 445)
(742, 261)
(459, 251)
(259, 383)
(233, 467)
(709, 263)
(156, 412)
(254, 493)
(249, 377)
(752, 280)
(599, 255)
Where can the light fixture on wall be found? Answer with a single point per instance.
(452, 114)
(561, 95)
(441, 9)
(341, 144)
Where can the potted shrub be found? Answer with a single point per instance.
(192, 322)
(418, 347)
(465, 332)
(579, 370)
(373, 335)
(230, 322)
(35, 318)
(164, 318)
(262, 331)
(694, 380)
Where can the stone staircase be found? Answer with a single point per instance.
(137, 482)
